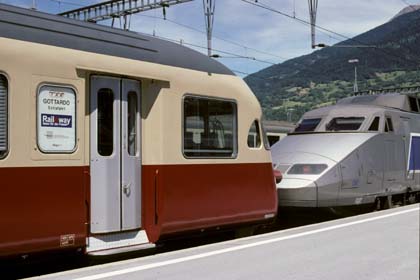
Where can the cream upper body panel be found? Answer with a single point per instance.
(28, 65)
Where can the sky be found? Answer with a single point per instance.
(245, 30)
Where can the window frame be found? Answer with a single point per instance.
(76, 142)
(235, 145)
(6, 153)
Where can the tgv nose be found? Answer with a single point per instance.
(297, 193)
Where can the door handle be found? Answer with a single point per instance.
(127, 189)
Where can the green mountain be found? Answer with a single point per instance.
(322, 77)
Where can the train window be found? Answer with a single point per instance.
(3, 116)
(267, 145)
(308, 125)
(105, 122)
(413, 104)
(388, 125)
(346, 124)
(132, 123)
(254, 137)
(374, 126)
(209, 128)
(273, 139)
(56, 119)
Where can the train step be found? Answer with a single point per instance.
(111, 243)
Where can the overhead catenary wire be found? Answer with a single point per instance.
(217, 50)
(235, 43)
(264, 6)
(217, 37)
(395, 56)
(195, 29)
(203, 32)
(66, 3)
(234, 55)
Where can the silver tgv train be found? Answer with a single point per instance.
(365, 150)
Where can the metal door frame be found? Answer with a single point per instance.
(111, 210)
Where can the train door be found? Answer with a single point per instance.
(407, 139)
(115, 154)
(351, 171)
(394, 161)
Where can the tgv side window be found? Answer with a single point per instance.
(3, 116)
(374, 126)
(209, 128)
(388, 125)
(413, 103)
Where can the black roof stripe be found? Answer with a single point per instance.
(32, 26)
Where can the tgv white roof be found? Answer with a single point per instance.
(398, 101)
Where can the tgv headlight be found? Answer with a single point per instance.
(307, 169)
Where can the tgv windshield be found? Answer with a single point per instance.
(308, 125)
(340, 124)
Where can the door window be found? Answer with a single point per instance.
(105, 122)
(132, 123)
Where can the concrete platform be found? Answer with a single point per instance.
(379, 245)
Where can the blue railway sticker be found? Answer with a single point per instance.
(49, 120)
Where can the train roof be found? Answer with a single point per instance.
(32, 26)
(368, 105)
(344, 109)
(399, 101)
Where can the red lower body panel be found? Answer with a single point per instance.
(47, 208)
(42, 208)
(178, 198)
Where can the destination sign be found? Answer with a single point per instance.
(56, 119)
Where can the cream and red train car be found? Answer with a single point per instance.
(110, 139)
